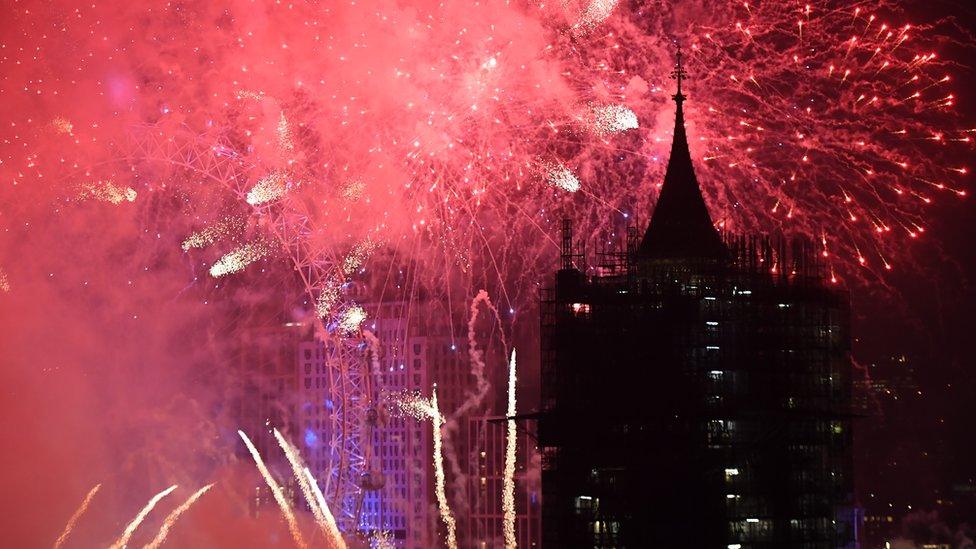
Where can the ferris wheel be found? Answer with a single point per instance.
(217, 161)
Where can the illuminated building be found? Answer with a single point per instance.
(696, 389)
(416, 349)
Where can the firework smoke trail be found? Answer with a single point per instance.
(437, 421)
(131, 528)
(276, 491)
(475, 398)
(174, 516)
(333, 529)
(77, 514)
(325, 522)
(508, 488)
(476, 355)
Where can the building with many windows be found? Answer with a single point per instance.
(696, 388)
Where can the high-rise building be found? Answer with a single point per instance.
(266, 397)
(696, 389)
(415, 349)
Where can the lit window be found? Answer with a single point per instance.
(581, 308)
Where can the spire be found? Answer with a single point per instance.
(680, 226)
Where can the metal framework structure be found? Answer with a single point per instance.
(213, 157)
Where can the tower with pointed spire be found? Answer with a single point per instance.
(680, 227)
(696, 388)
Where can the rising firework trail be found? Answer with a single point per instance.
(175, 516)
(437, 421)
(76, 515)
(421, 408)
(508, 484)
(132, 526)
(276, 491)
(334, 535)
(309, 488)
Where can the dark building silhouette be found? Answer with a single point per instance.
(696, 388)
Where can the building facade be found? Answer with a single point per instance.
(696, 388)
(487, 439)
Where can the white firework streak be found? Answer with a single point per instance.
(276, 491)
(175, 516)
(270, 187)
(561, 177)
(421, 408)
(107, 191)
(77, 515)
(508, 485)
(285, 134)
(4, 283)
(131, 528)
(207, 236)
(334, 533)
(319, 509)
(238, 259)
(445, 510)
(610, 119)
(596, 12)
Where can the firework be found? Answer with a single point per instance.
(561, 177)
(218, 231)
(284, 136)
(276, 492)
(107, 191)
(508, 489)
(333, 530)
(174, 516)
(75, 516)
(62, 125)
(4, 282)
(269, 188)
(418, 407)
(596, 12)
(238, 259)
(357, 256)
(437, 421)
(609, 119)
(323, 517)
(132, 526)
(327, 299)
(352, 319)
(382, 540)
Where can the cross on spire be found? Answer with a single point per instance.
(680, 227)
(678, 74)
